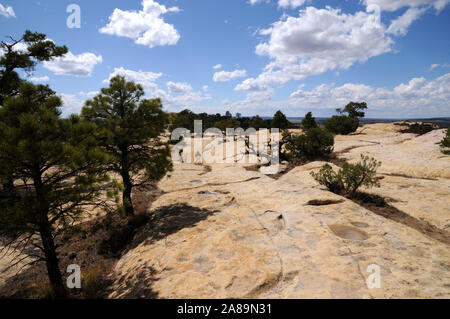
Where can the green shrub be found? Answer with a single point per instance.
(93, 281)
(445, 143)
(329, 178)
(350, 177)
(39, 290)
(341, 124)
(120, 237)
(316, 142)
(419, 128)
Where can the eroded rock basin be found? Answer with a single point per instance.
(348, 232)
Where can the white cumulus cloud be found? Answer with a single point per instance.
(290, 3)
(282, 3)
(146, 79)
(145, 27)
(7, 12)
(436, 65)
(178, 87)
(400, 25)
(316, 41)
(71, 104)
(394, 5)
(80, 65)
(225, 76)
(417, 98)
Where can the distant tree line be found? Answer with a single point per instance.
(186, 118)
(345, 123)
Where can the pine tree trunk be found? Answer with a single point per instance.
(8, 185)
(54, 274)
(48, 245)
(128, 186)
(128, 204)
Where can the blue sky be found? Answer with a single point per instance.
(252, 56)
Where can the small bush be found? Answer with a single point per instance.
(445, 143)
(329, 178)
(39, 290)
(121, 237)
(316, 142)
(419, 128)
(93, 281)
(343, 125)
(350, 177)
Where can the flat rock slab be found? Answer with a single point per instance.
(251, 236)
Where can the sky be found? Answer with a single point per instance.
(248, 56)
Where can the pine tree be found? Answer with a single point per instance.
(354, 109)
(56, 164)
(280, 121)
(257, 122)
(130, 132)
(39, 49)
(309, 122)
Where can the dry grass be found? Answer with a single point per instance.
(84, 245)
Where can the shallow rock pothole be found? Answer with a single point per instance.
(348, 232)
(360, 224)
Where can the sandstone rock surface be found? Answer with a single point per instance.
(227, 232)
(234, 233)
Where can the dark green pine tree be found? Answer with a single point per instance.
(309, 122)
(354, 109)
(258, 123)
(280, 121)
(13, 57)
(57, 169)
(131, 127)
(38, 49)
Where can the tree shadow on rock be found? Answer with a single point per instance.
(381, 207)
(161, 223)
(139, 285)
(169, 220)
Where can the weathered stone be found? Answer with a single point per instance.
(263, 241)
